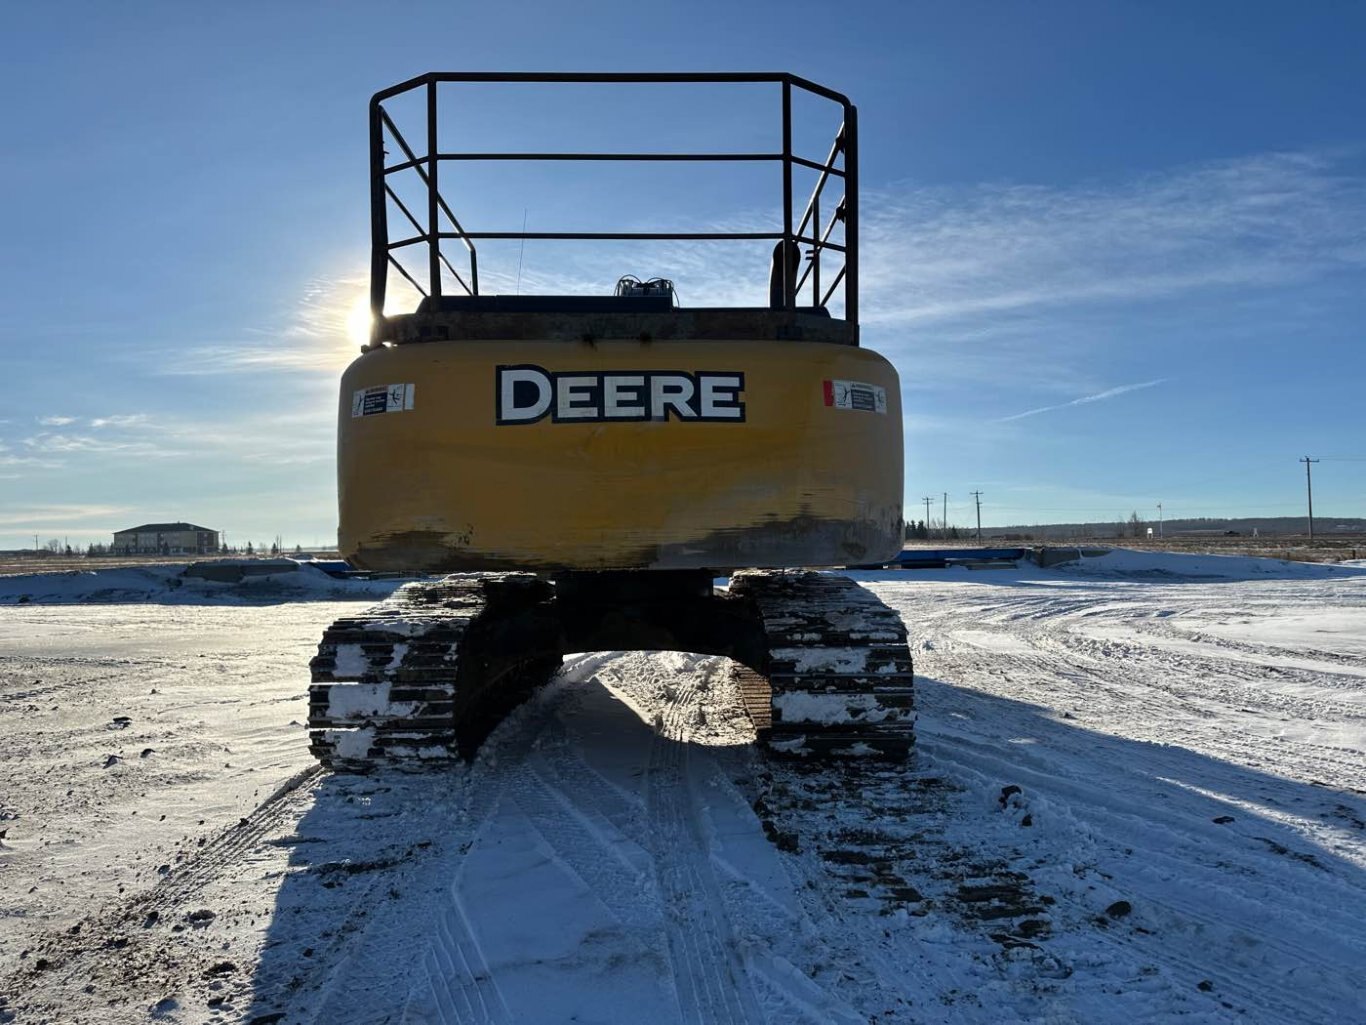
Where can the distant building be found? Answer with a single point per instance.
(166, 539)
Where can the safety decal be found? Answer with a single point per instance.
(382, 398)
(856, 395)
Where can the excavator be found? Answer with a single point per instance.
(574, 473)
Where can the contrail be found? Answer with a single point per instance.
(1109, 393)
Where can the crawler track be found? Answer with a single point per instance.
(423, 677)
(838, 673)
(822, 664)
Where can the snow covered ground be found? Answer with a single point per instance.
(168, 584)
(1140, 795)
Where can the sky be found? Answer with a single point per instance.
(1116, 251)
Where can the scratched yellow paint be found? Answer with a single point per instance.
(441, 486)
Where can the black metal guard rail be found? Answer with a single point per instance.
(680, 157)
(473, 288)
(620, 236)
(427, 168)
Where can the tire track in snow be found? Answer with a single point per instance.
(1202, 887)
(825, 810)
(767, 935)
(446, 980)
(1231, 681)
(711, 991)
(711, 984)
(561, 804)
(362, 888)
(1179, 888)
(1127, 671)
(233, 844)
(1160, 675)
(460, 988)
(456, 985)
(127, 945)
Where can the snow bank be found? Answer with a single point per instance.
(1127, 562)
(166, 584)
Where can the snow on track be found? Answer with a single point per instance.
(1140, 796)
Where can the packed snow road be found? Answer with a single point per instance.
(1140, 795)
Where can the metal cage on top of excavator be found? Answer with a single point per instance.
(819, 243)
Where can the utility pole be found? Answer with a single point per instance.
(1159, 520)
(944, 523)
(977, 495)
(1309, 489)
(927, 521)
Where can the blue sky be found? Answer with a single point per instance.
(1117, 251)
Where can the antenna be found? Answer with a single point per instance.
(520, 252)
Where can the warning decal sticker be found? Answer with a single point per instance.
(382, 398)
(856, 395)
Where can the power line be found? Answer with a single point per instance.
(977, 496)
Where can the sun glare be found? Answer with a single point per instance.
(358, 321)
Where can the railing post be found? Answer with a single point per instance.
(816, 250)
(851, 214)
(379, 221)
(789, 292)
(433, 193)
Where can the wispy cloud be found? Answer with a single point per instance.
(313, 337)
(1101, 396)
(297, 437)
(45, 517)
(981, 272)
(10, 461)
(211, 360)
(98, 422)
(120, 420)
(54, 449)
(33, 462)
(58, 443)
(937, 254)
(254, 438)
(959, 258)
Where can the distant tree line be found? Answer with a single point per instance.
(1136, 525)
(918, 531)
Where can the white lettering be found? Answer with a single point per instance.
(622, 396)
(508, 380)
(574, 398)
(671, 391)
(527, 394)
(720, 396)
